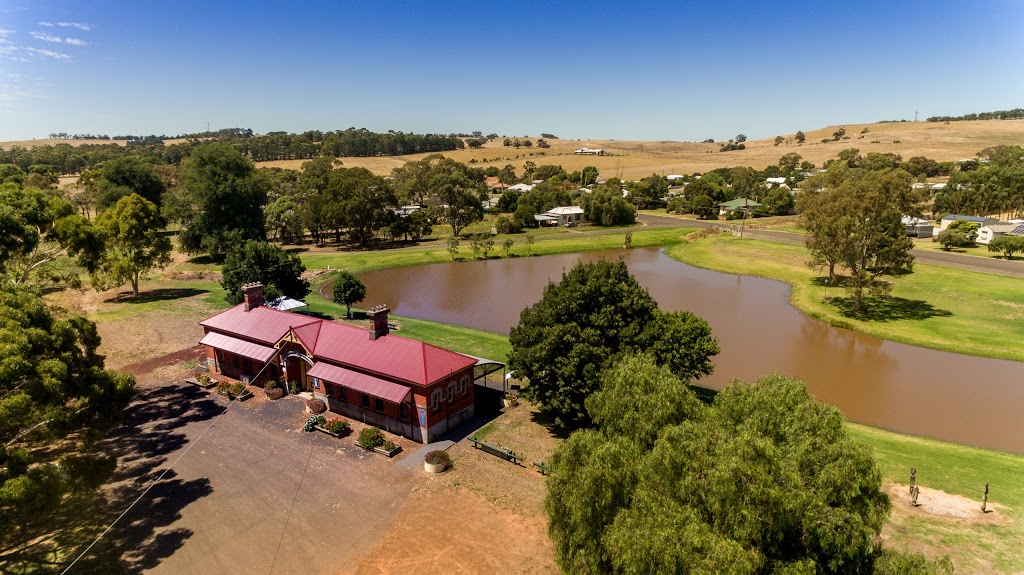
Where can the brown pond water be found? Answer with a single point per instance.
(960, 398)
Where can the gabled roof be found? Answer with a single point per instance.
(261, 353)
(564, 210)
(261, 323)
(367, 384)
(738, 203)
(1003, 228)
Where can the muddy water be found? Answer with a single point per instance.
(881, 383)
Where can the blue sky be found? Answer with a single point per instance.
(631, 70)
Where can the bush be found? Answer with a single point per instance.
(294, 387)
(270, 385)
(371, 437)
(203, 378)
(507, 225)
(316, 405)
(236, 389)
(312, 422)
(222, 387)
(388, 445)
(338, 426)
(438, 456)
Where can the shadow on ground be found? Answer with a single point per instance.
(162, 294)
(888, 308)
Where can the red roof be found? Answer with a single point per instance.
(261, 323)
(255, 351)
(368, 384)
(391, 356)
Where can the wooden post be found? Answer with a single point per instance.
(913, 496)
(913, 479)
(984, 500)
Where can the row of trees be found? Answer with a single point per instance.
(994, 186)
(1014, 114)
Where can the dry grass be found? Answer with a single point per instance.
(637, 159)
(53, 142)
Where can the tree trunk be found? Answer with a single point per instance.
(135, 284)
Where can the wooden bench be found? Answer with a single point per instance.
(543, 469)
(506, 454)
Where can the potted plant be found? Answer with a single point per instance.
(315, 406)
(273, 389)
(389, 448)
(436, 461)
(238, 391)
(510, 400)
(294, 387)
(335, 427)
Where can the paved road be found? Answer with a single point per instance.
(942, 259)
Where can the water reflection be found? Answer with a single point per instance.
(895, 386)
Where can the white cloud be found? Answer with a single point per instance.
(79, 25)
(5, 32)
(46, 37)
(50, 53)
(51, 38)
(48, 24)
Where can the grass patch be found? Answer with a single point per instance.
(160, 295)
(940, 308)
(545, 245)
(976, 250)
(959, 470)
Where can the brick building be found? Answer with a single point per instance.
(404, 386)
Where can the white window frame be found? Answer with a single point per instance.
(452, 387)
(464, 384)
(435, 399)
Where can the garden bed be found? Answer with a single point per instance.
(390, 453)
(203, 383)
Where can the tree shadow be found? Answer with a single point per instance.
(555, 427)
(161, 294)
(888, 308)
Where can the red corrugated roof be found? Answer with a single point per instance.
(368, 384)
(255, 351)
(390, 356)
(260, 323)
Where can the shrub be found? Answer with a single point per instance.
(316, 405)
(338, 426)
(270, 385)
(293, 386)
(371, 437)
(312, 422)
(236, 389)
(203, 378)
(222, 387)
(388, 445)
(438, 456)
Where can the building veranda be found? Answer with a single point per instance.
(401, 385)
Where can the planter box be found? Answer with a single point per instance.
(381, 450)
(195, 381)
(337, 435)
(245, 396)
(275, 393)
(510, 402)
(434, 467)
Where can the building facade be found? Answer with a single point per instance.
(401, 385)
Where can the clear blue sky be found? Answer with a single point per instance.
(629, 70)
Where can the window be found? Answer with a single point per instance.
(451, 391)
(378, 405)
(316, 382)
(435, 399)
(342, 394)
(403, 411)
(464, 385)
(366, 401)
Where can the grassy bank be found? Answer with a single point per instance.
(563, 243)
(935, 307)
(977, 543)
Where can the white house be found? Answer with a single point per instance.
(521, 187)
(918, 228)
(781, 182)
(673, 177)
(561, 216)
(981, 221)
(590, 151)
(989, 232)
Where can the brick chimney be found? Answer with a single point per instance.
(252, 294)
(379, 321)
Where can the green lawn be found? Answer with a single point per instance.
(936, 307)
(991, 545)
(548, 244)
(974, 250)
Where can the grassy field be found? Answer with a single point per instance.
(560, 243)
(976, 250)
(637, 159)
(976, 543)
(941, 308)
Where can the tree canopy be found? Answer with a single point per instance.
(582, 323)
(348, 289)
(133, 244)
(764, 480)
(220, 201)
(278, 271)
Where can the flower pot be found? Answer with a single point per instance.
(510, 402)
(276, 393)
(434, 467)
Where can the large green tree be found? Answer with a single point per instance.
(856, 223)
(253, 261)
(38, 230)
(56, 400)
(133, 243)
(126, 175)
(348, 289)
(582, 323)
(763, 481)
(220, 201)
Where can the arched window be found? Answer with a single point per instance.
(451, 391)
(435, 399)
(464, 384)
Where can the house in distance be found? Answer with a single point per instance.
(401, 385)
